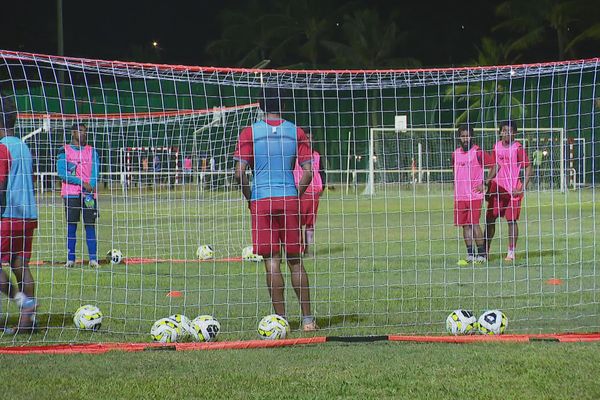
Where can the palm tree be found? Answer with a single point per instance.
(289, 33)
(565, 23)
(371, 42)
(487, 102)
(490, 52)
(245, 38)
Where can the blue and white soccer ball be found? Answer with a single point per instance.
(273, 327)
(461, 322)
(88, 317)
(493, 322)
(205, 328)
(114, 256)
(248, 255)
(166, 330)
(205, 252)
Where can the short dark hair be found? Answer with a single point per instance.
(510, 123)
(77, 126)
(8, 113)
(271, 100)
(463, 128)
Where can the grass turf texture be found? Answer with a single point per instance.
(384, 264)
(376, 370)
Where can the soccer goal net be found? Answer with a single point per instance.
(386, 248)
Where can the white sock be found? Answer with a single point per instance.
(310, 236)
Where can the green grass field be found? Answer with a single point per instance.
(384, 264)
(357, 371)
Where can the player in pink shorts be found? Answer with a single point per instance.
(309, 201)
(505, 189)
(271, 147)
(468, 162)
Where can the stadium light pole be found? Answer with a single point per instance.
(59, 28)
(60, 40)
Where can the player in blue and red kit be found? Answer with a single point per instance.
(270, 148)
(18, 211)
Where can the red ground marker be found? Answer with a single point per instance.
(174, 293)
(554, 282)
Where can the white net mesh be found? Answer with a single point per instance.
(384, 263)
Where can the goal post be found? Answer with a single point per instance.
(418, 155)
(383, 264)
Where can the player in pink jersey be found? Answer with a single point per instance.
(309, 201)
(505, 189)
(468, 162)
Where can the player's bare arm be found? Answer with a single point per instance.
(242, 178)
(305, 179)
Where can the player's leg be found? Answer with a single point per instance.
(275, 282)
(513, 212)
(491, 215)
(305, 207)
(6, 285)
(311, 219)
(513, 235)
(290, 236)
(462, 219)
(72, 213)
(90, 214)
(265, 241)
(474, 217)
(20, 251)
(468, 238)
(480, 243)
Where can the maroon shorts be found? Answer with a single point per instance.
(276, 220)
(501, 203)
(309, 205)
(467, 212)
(16, 238)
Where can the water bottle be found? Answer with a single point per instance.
(89, 200)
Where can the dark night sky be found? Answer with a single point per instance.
(109, 29)
(443, 34)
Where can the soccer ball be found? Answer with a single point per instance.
(88, 317)
(273, 327)
(205, 328)
(114, 256)
(492, 322)
(461, 322)
(205, 252)
(248, 255)
(166, 330)
(184, 323)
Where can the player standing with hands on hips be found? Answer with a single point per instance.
(77, 167)
(270, 148)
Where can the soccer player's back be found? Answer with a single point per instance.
(271, 147)
(274, 142)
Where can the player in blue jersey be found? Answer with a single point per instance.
(270, 148)
(77, 167)
(18, 211)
